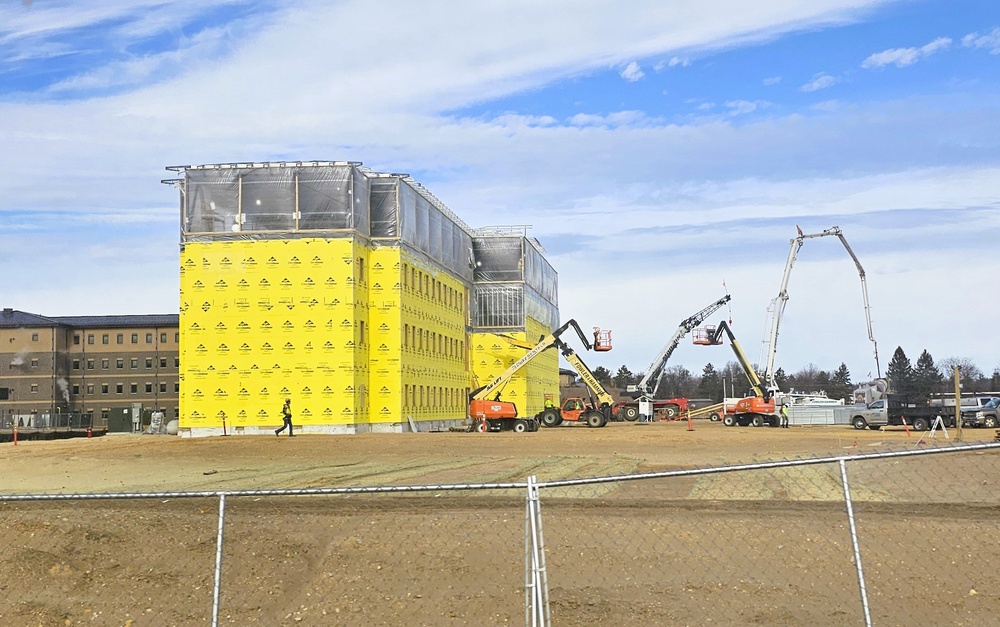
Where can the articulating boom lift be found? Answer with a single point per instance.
(758, 409)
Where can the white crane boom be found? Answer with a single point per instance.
(657, 369)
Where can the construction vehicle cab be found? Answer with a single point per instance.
(574, 409)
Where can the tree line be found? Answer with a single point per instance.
(917, 381)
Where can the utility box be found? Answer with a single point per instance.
(645, 409)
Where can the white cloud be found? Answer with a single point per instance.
(990, 41)
(902, 57)
(741, 107)
(820, 81)
(613, 120)
(671, 63)
(774, 80)
(632, 72)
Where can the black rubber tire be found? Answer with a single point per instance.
(551, 418)
(671, 411)
(715, 416)
(859, 422)
(874, 427)
(920, 424)
(482, 427)
(757, 420)
(729, 420)
(520, 426)
(594, 419)
(774, 421)
(629, 412)
(990, 422)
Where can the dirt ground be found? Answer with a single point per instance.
(770, 547)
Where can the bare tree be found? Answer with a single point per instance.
(970, 376)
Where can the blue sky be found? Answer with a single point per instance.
(655, 152)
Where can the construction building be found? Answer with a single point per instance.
(71, 372)
(356, 294)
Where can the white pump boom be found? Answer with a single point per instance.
(777, 307)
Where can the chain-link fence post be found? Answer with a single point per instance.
(854, 542)
(218, 561)
(536, 598)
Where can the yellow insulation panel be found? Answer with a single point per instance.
(434, 376)
(264, 320)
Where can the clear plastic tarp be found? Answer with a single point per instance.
(275, 198)
(514, 258)
(513, 282)
(213, 198)
(498, 306)
(398, 211)
(498, 259)
(506, 306)
(267, 199)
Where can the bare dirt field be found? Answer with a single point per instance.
(769, 547)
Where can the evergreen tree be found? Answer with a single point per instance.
(781, 379)
(900, 372)
(926, 377)
(822, 380)
(840, 386)
(710, 385)
(603, 375)
(623, 378)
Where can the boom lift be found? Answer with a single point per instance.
(498, 415)
(647, 388)
(776, 309)
(758, 409)
(596, 413)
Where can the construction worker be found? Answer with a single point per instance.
(784, 416)
(548, 402)
(286, 418)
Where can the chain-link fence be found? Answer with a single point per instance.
(892, 538)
